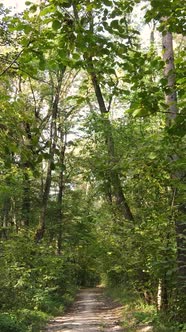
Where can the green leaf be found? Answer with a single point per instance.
(33, 8)
(107, 3)
(114, 24)
(47, 10)
(27, 29)
(126, 92)
(67, 3)
(137, 112)
(63, 167)
(42, 64)
(56, 24)
(152, 156)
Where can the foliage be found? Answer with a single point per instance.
(9, 323)
(137, 314)
(83, 128)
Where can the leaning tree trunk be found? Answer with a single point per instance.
(114, 175)
(53, 141)
(180, 216)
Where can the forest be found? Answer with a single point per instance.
(92, 157)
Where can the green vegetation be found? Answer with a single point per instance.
(92, 159)
(137, 314)
(35, 284)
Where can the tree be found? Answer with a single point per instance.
(92, 153)
(172, 113)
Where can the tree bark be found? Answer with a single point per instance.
(61, 193)
(114, 174)
(169, 73)
(26, 206)
(53, 140)
(5, 218)
(180, 222)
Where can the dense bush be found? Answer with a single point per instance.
(35, 283)
(9, 323)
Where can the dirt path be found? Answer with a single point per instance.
(91, 312)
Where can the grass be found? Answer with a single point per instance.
(137, 315)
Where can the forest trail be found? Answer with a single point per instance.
(91, 312)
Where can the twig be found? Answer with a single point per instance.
(11, 64)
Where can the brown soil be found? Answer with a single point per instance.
(91, 312)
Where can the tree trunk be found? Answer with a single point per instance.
(26, 199)
(42, 222)
(61, 193)
(114, 174)
(169, 72)
(5, 218)
(60, 213)
(53, 140)
(180, 222)
(119, 196)
(162, 295)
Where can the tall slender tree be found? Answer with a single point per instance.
(172, 113)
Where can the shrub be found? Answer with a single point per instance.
(9, 323)
(34, 320)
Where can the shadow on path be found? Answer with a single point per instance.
(91, 312)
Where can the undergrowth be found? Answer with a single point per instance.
(35, 285)
(137, 314)
(27, 320)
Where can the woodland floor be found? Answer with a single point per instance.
(91, 312)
